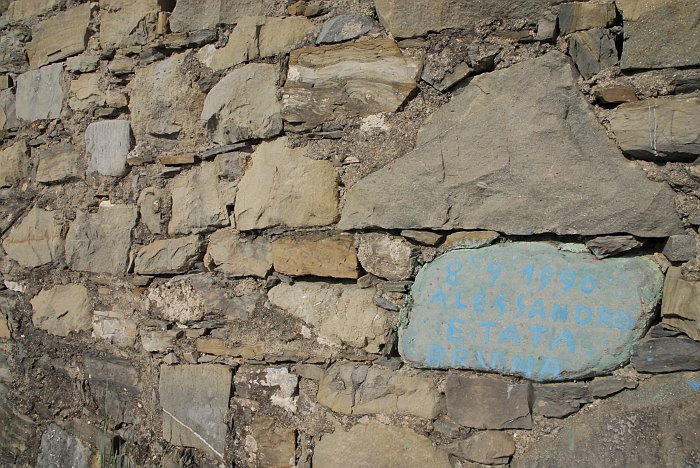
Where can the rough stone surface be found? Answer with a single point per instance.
(60, 36)
(5, 333)
(593, 51)
(607, 246)
(194, 399)
(663, 129)
(115, 328)
(253, 111)
(199, 200)
(107, 143)
(485, 402)
(57, 164)
(560, 400)
(8, 114)
(234, 255)
(351, 389)
(469, 240)
(191, 15)
(123, 22)
(39, 93)
(276, 446)
(36, 240)
(14, 164)
(285, 188)
(423, 237)
(24, 9)
(506, 307)
(164, 102)
(358, 78)
(85, 93)
(680, 248)
(614, 95)
(99, 242)
(531, 182)
(411, 18)
(602, 387)
(386, 256)
(62, 309)
(115, 383)
(659, 33)
(256, 37)
(380, 446)
(656, 425)
(579, 15)
(340, 314)
(680, 307)
(152, 205)
(316, 255)
(487, 447)
(59, 448)
(345, 27)
(667, 354)
(168, 256)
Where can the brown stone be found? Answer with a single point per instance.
(36, 240)
(469, 240)
(615, 95)
(317, 255)
(235, 255)
(14, 164)
(487, 447)
(57, 164)
(168, 256)
(60, 36)
(577, 16)
(62, 309)
(386, 256)
(680, 306)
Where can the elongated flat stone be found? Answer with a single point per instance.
(529, 309)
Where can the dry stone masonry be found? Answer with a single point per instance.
(321, 233)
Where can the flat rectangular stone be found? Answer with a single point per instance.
(40, 93)
(195, 399)
(317, 255)
(486, 402)
(20, 10)
(108, 143)
(60, 36)
(57, 164)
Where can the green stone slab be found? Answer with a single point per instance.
(528, 309)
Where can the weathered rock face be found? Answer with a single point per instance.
(359, 78)
(253, 111)
(488, 447)
(659, 33)
(529, 309)
(107, 143)
(351, 389)
(577, 16)
(39, 93)
(386, 256)
(168, 256)
(340, 314)
(479, 183)
(116, 385)
(680, 307)
(486, 402)
(14, 164)
(85, 92)
(316, 255)
(18, 11)
(275, 445)
(345, 27)
(57, 164)
(8, 114)
(60, 36)
(663, 129)
(100, 242)
(410, 18)
(191, 15)
(285, 188)
(164, 102)
(59, 448)
(194, 399)
(666, 354)
(377, 445)
(593, 50)
(36, 240)
(115, 328)
(256, 37)
(234, 255)
(652, 426)
(123, 22)
(152, 203)
(62, 309)
(199, 200)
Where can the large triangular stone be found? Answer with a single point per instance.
(518, 151)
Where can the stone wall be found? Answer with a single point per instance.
(261, 232)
